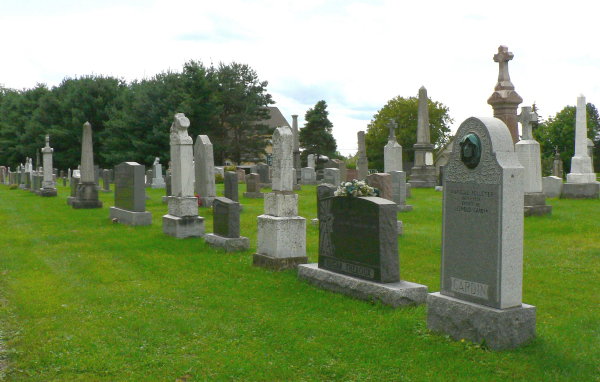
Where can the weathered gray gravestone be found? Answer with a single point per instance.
(308, 175)
(226, 226)
(398, 180)
(263, 171)
(423, 174)
(362, 163)
(158, 181)
(482, 241)
(281, 233)
(87, 190)
(382, 182)
(130, 195)
(231, 186)
(253, 187)
(358, 250)
(392, 152)
(105, 180)
(182, 219)
(332, 176)
(205, 170)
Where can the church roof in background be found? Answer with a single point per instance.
(276, 118)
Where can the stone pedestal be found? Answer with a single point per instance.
(254, 195)
(498, 329)
(395, 294)
(230, 244)
(281, 242)
(130, 217)
(48, 192)
(552, 186)
(580, 191)
(425, 175)
(86, 197)
(535, 204)
(183, 227)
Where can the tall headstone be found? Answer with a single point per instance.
(253, 187)
(87, 190)
(383, 183)
(398, 180)
(105, 180)
(505, 100)
(358, 250)
(331, 176)
(392, 152)
(281, 232)
(557, 165)
(529, 154)
(423, 174)
(482, 241)
(311, 161)
(362, 163)
(205, 170)
(158, 181)
(226, 226)
(296, 151)
(149, 175)
(182, 219)
(130, 195)
(263, 171)
(231, 186)
(581, 180)
(48, 184)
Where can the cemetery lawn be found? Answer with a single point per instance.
(85, 299)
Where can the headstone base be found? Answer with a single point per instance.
(70, 200)
(130, 217)
(183, 205)
(277, 263)
(423, 177)
(535, 204)
(396, 294)
(48, 192)
(86, 196)
(254, 195)
(405, 208)
(158, 184)
(86, 204)
(183, 227)
(281, 237)
(499, 329)
(552, 186)
(230, 244)
(206, 201)
(580, 191)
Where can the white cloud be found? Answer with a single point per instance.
(354, 54)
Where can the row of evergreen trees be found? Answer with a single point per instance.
(131, 121)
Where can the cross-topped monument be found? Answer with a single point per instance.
(392, 126)
(526, 118)
(505, 99)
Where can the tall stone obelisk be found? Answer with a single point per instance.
(505, 100)
(297, 164)
(528, 152)
(581, 180)
(362, 163)
(48, 185)
(423, 174)
(86, 195)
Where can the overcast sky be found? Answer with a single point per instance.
(356, 55)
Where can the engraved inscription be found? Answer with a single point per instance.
(471, 201)
(470, 288)
(348, 268)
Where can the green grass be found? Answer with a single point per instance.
(84, 299)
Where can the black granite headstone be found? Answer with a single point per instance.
(358, 237)
(129, 187)
(226, 217)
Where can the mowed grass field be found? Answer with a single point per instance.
(83, 299)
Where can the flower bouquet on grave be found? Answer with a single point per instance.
(199, 200)
(355, 188)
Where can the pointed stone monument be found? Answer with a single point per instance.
(528, 151)
(48, 184)
(281, 232)
(581, 181)
(182, 219)
(505, 100)
(423, 174)
(86, 195)
(362, 163)
(205, 171)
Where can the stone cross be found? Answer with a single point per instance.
(526, 117)
(392, 126)
(502, 58)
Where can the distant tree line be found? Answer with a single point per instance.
(131, 120)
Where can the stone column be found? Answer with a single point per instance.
(281, 233)
(423, 174)
(297, 164)
(528, 152)
(182, 219)
(505, 100)
(48, 185)
(205, 170)
(87, 192)
(362, 163)
(581, 180)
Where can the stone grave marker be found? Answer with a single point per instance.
(482, 241)
(231, 186)
(205, 170)
(253, 187)
(226, 226)
(130, 195)
(87, 189)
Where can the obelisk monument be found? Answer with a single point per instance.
(423, 174)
